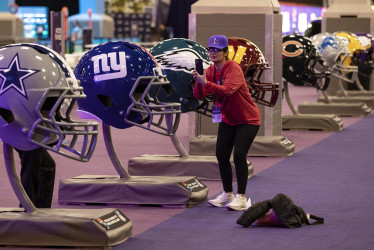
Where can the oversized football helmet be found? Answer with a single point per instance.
(253, 64)
(353, 44)
(176, 58)
(37, 94)
(335, 53)
(302, 64)
(365, 58)
(117, 78)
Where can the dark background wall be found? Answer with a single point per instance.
(178, 17)
(54, 5)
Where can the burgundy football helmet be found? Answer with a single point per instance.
(253, 63)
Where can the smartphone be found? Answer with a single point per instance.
(199, 66)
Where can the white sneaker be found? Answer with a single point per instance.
(249, 203)
(222, 199)
(239, 203)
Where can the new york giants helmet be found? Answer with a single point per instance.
(302, 64)
(335, 53)
(253, 64)
(38, 91)
(176, 58)
(117, 78)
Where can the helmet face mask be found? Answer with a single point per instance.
(176, 58)
(302, 64)
(117, 78)
(253, 64)
(35, 109)
(147, 104)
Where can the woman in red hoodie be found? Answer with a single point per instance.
(238, 117)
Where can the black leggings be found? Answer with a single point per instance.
(240, 137)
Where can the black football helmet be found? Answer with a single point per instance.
(302, 64)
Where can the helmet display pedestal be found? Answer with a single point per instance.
(133, 190)
(346, 98)
(204, 167)
(366, 97)
(297, 121)
(58, 227)
(263, 27)
(340, 109)
(360, 92)
(277, 145)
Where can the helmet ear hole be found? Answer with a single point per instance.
(106, 100)
(7, 115)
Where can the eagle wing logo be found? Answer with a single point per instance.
(180, 60)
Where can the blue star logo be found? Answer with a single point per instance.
(13, 76)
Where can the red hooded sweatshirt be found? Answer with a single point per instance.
(231, 94)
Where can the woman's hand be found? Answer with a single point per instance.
(199, 78)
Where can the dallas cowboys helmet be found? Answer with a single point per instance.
(177, 57)
(117, 78)
(38, 91)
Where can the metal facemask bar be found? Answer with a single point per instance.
(346, 73)
(162, 118)
(321, 78)
(75, 140)
(262, 93)
(205, 106)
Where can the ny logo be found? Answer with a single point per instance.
(106, 69)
